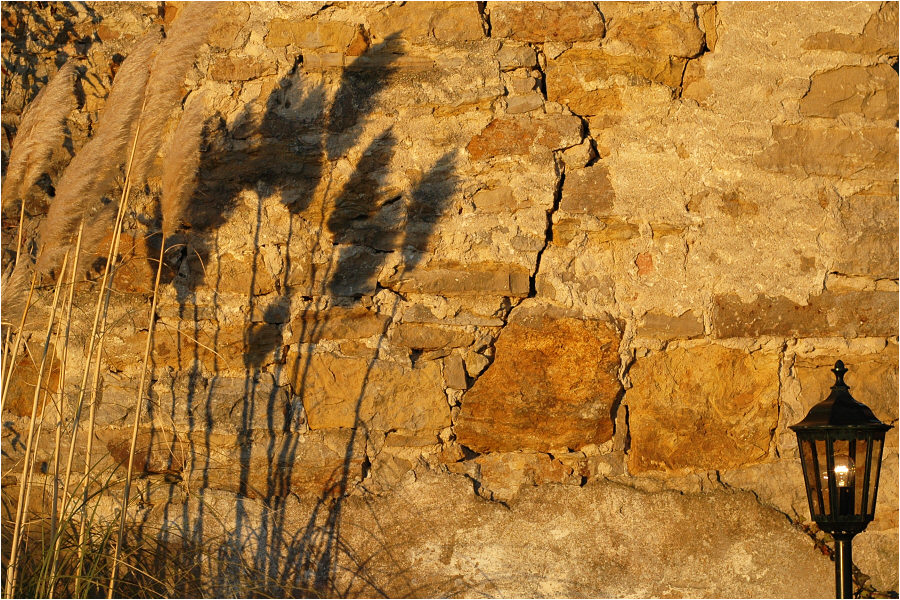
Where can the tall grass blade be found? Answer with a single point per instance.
(27, 467)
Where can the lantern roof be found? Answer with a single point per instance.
(840, 410)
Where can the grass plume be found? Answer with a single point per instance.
(180, 167)
(91, 174)
(175, 55)
(39, 134)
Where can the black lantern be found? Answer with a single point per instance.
(840, 443)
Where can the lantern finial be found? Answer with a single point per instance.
(839, 371)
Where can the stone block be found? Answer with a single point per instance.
(445, 21)
(351, 392)
(702, 408)
(668, 327)
(553, 384)
(210, 345)
(451, 279)
(868, 246)
(851, 314)
(867, 90)
(318, 464)
(521, 136)
(157, 451)
(580, 78)
(588, 191)
(244, 274)
(546, 21)
(423, 336)
(19, 397)
(455, 372)
(653, 29)
(850, 152)
(878, 37)
(312, 34)
(240, 68)
(502, 474)
(337, 323)
(499, 200)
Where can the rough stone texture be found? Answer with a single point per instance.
(537, 245)
(718, 407)
(547, 21)
(350, 392)
(852, 314)
(433, 538)
(552, 385)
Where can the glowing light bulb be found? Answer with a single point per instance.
(844, 471)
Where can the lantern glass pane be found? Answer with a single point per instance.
(859, 456)
(844, 473)
(873, 478)
(807, 449)
(822, 481)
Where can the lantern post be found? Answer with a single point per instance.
(841, 443)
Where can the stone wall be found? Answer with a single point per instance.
(498, 298)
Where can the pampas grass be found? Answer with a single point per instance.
(40, 132)
(174, 57)
(91, 173)
(145, 93)
(180, 168)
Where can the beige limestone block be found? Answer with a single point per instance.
(311, 33)
(867, 244)
(424, 336)
(445, 21)
(707, 407)
(664, 326)
(502, 474)
(240, 68)
(584, 79)
(19, 396)
(864, 152)
(453, 279)
(546, 21)
(588, 191)
(351, 392)
(852, 314)
(878, 37)
(210, 345)
(552, 384)
(314, 465)
(337, 322)
(869, 91)
(652, 29)
(520, 136)
(455, 372)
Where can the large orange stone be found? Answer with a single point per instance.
(701, 408)
(552, 385)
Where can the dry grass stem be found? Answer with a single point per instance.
(137, 419)
(63, 367)
(39, 134)
(25, 480)
(11, 358)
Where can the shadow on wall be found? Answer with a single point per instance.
(288, 150)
